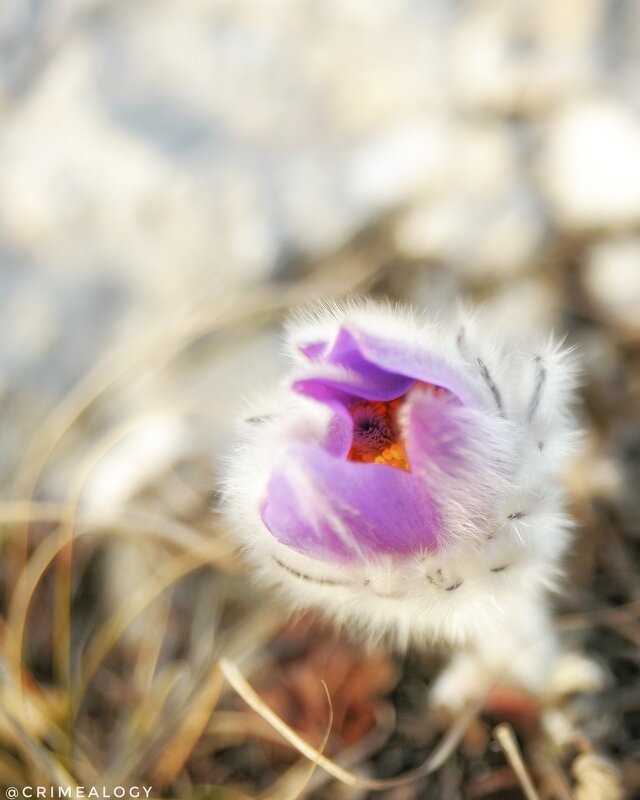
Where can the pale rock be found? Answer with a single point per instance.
(148, 447)
(597, 778)
(525, 305)
(34, 322)
(590, 165)
(399, 162)
(611, 277)
(482, 238)
(575, 673)
(428, 230)
(513, 237)
(523, 58)
(483, 69)
(571, 25)
(483, 219)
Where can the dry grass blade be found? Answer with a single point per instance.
(190, 729)
(437, 758)
(147, 718)
(95, 384)
(150, 646)
(170, 532)
(297, 793)
(240, 725)
(323, 744)
(11, 770)
(507, 740)
(118, 622)
(43, 763)
(549, 767)
(65, 415)
(62, 602)
(155, 354)
(617, 615)
(21, 599)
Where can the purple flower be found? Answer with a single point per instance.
(411, 439)
(405, 481)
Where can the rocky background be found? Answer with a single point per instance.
(175, 175)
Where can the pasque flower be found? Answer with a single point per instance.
(404, 479)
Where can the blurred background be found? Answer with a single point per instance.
(175, 175)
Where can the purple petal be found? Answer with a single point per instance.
(361, 378)
(314, 350)
(408, 359)
(457, 453)
(370, 383)
(336, 510)
(439, 434)
(379, 370)
(339, 433)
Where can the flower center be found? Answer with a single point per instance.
(376, 434)
(377, 437)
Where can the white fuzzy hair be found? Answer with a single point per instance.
(486, 588)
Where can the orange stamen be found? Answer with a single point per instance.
(377, 438)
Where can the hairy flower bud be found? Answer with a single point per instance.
(404, 480)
